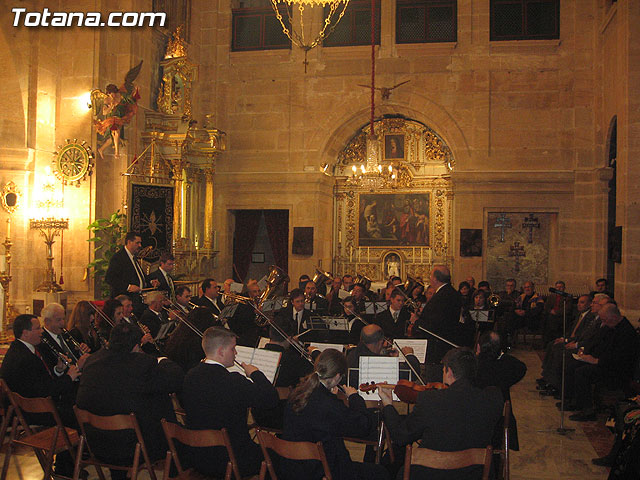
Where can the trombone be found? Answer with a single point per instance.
(406, 288)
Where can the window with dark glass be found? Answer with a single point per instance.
(355, 26)
(257, 28)
(525, 19)
(426, 21)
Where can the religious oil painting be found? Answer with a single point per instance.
(394, 147)
(393, 219)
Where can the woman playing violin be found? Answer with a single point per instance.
(315, 414)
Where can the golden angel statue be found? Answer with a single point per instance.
(115, 109)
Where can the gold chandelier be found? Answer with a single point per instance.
(298, 36)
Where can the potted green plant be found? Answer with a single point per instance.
(108, 235)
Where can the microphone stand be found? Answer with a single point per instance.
(562, 430)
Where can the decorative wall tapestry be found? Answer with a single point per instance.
(152, 217)
(393, 219)
(518, 247)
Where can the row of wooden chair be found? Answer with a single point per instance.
(51, 441)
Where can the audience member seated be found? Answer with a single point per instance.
(608, 360)
(314, 414)
(602, 286)
(457, 418)
(215, 398)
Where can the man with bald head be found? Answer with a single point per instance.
(607, 360)
(441, 315)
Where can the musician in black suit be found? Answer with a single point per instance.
(183, 299)
(163, 275)
(314, 414)
(26, 373)
(293, 366)
(56, 342)
(215, 398)
(125, 275)
(295, 317)
(243, 320)
(393, 321)
(184, 346)
(440, 315)
(211, 296)
(155, 318)
(122, 379)
(459, 417)
(317, 304)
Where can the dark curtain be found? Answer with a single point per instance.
(277, 222)
(244, 239)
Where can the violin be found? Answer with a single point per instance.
(405, 390)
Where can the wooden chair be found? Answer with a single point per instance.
(181, 415)
(111, 423)
(504, 450)
(6, 410)
(45, 443)
(290, 450)
(448, 460)
(196, 438)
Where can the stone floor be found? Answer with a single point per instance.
(544, 454)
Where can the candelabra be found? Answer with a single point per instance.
(49, 228)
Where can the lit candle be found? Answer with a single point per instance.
(351, 254)
(413, 254)
(339, 236)
(421, 253)
(367, 254)
(430, 253)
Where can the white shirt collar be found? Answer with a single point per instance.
(208, 361)
(57, 338)
(438, 289)
(31, 348)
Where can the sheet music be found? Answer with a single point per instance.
(342, 294)
(263, 341)
(266, 361)
(382, 306)
(337, 323)
(324, 346)
(419, 347)
(236, 287)
(228, 311)
(378, 370)
(479, 315)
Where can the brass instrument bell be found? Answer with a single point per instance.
(322, 275)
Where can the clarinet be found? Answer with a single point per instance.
(55, 351)
(103, 341)
(70, 339)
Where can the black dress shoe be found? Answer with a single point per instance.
(583, 417)
(568, 407)
(605, 461)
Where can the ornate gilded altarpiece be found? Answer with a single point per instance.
(518, 246)
(402, 224)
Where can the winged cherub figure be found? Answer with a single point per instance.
(115, 109)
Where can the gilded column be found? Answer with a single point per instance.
(208, 209)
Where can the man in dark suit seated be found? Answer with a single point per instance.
(393, 321)
(295, 317)
(122, 379)
(27, 373)
(440, 315)
(155, 318)
(211, 296)
(56, 342)
(124, 274)
(163, 275)
(459, 417)
(317, 304)
(215, 398)
(243, 320)
(293, 366)
(609, 362)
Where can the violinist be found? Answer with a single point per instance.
(457, 418)
(315, 414)
(373, 344)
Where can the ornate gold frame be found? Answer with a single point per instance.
(10, 188)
